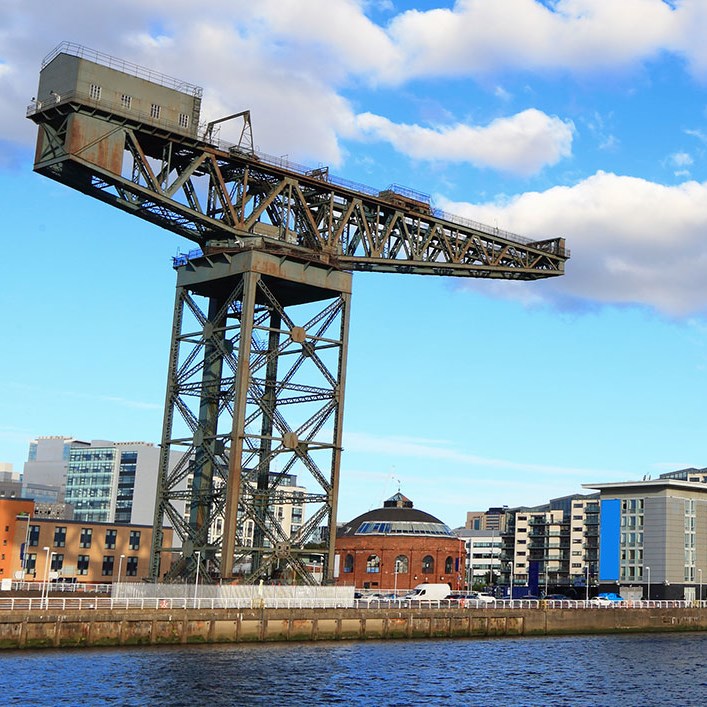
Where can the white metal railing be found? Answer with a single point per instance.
(105, 603)
(64, 587)
(167, 603)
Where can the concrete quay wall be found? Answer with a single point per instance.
(86, 628)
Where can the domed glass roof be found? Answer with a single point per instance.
(397, 517)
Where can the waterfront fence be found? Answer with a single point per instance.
(249, 600)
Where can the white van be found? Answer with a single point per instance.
(429, 592)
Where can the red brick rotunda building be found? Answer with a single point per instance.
(398, 547)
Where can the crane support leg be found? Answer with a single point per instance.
(255, 401)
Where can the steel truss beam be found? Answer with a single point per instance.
(254, 400)
(210, 194)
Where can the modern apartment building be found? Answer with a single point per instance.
(553, 547)
(483, 556)
(653, 541)
(44, 475)
(38, 549)
(287, 507)
(102, 481)
(492, 519)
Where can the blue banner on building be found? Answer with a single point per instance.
(533, 577)
(609, 537)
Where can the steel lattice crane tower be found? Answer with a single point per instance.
(257, 365)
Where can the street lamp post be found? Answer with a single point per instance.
(648, 592)
(120, 567)
(699, 574)
(45, 592)
(586, 583)
(196, 583)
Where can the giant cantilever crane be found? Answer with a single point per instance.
(255, 389)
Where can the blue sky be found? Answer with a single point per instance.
(577, 118)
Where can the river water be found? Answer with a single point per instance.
(649, 669)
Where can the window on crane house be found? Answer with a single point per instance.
(183, 120)
(94, 92)
(155, 111)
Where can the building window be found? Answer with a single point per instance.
(111, 536)
(107, 568)
(134, 543)
(60, 536)
(448, 565)
(94, 92)
(348, 564)
(31, 564)
(183, 120)
(57, 562)
(154, 111)
(131, 567)
(33, 535)
(373, 563)
(86, 535)
(401, 564)
(82, 564)
(428, 564)
(126, 101)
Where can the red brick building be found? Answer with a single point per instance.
(398, 547)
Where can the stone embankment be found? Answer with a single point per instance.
(129, 627)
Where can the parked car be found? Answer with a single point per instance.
(606, 599)
(611, 596)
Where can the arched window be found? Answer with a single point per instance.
(448, 565)
(349, 563)
(428, 564)
(373, 563)
(401, 564)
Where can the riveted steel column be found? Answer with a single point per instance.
(233, 486)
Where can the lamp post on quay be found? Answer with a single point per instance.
(699, 574)
(196, 583)
(120, 568)
(45, 584)
(648, 591)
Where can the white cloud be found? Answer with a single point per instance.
(286, 58)
(521, 144)
(478, 36)
(681, 159)
(633, 242)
